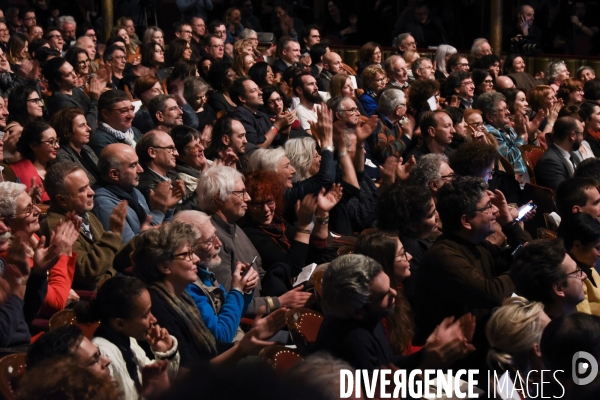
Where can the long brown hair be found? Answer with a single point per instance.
(382, 247)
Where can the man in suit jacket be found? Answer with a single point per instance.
(556, 164)
(289, 55)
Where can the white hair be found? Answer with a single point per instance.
(197, 219)
(553, 67)
(246, 33)
(442, 51)
(389, 100)
(215, 181)
(66, 19)
(476, 48)
(9, 191)
(301, 153)
(265, 159)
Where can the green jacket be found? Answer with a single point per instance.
(94, 258)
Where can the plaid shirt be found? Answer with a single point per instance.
(509, 144)
(388, 140)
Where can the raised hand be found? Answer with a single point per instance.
(403, 170)
(364, 129)
(159, 339)
(155, 379)
(160, 199)
(206, 135)
(326, 201)
(264, 328)
(450, 341)
(497, 198)
(227, 158)
(244, 283)
(323, 126)
(305, 209)
(62, 239)
(388, 170)
(116, 221)
(147, 224)
(35, 191)
(95, 88)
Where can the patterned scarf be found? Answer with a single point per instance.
(187, 310)
(126, 137)
(276, 231)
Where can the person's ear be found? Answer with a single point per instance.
(216, 200)
(113, 174)
(226, 140)
(160, 116)
(573, 136)
(577, 245)
(164, 268)
(118, 324)
(558, 289)
(465, 222)
(576, 209)
(431, 131)
(60, 200)
(536, 350)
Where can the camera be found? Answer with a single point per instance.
(520, 44)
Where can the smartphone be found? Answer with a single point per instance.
(516, 249)
(524, 210)
(249, 267)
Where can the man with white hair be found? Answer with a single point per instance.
(391, 138)
(67, 26)
(481, 47)
(87, 43)
(222, 194)
(396, 71)
(221, 309)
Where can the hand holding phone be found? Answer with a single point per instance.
(249, 267)
(523, 210)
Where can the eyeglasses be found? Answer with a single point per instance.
(486, 209)
(36, 101)
(82, 63)
(449, 176)
(122, 58)
(351, 110)
(54, 36)
(578, 273)
(275, 101)
(25, 213)
(403, 255)
(490, 172)
(169, 149)
(51, 142)
(209, 242)
(463, 64)
(259, 205)
(186, 255)
(29, 19)
(488, 82)
(467, 83)
(240, 193)
(124, 110)
(476, 124)
(381, 80)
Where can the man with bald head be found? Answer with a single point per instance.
(504, 83)
(120, 169)
(332, 64)
(158, 157)
(523, 36)
(396, 71)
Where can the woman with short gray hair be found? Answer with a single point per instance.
(556, 73)
(217, 181)
(304, 157)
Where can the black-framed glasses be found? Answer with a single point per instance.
(351, 110)
(169, 149)
(449, 176)
(259, 205)
(490, 172)
(578, 273)
(51, 142)
(240, 193)
(467, 83)
(487, 209)
(54, 36)
(82, 63)
(403, 255)
(36, 101)
(186, 255)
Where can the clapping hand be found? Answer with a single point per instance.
(326, 201)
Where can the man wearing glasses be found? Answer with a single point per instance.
(463, 272)
(461, 84)
(62, 80)
(543, 271)
(114, 57)
(158, 156)
(116, 116)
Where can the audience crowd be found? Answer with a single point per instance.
(169, 196)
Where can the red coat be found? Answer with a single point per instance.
(24, 170)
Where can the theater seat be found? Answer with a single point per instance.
(280, 358)
(12, 369)
(304, 325)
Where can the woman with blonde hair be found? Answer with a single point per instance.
(374, 80)
(514, 332)
(154, 34)
(242, 63)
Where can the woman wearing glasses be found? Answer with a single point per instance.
(81, 63)
(275, 239)
(25, 105)
(38, 146)
(164, 260)
(74, 135)
(581, 235)
(388, 250)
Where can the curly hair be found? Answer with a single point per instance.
(421, 90)
(62, 122)
(263, 185)
(567, 87)
(473, 158)
(157, 246)
(458, 198)
(370, 74)
(401, 208)
(536, 267)
(65, 379)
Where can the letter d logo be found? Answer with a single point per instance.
(581, 368)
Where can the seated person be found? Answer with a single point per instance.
(68, 341)
(581, 238)
(221, 309)
(576, 195)
(543, 271)
(275, 239)
(96, 248)
(432, 171)
(122, 305)
(120, 170)
(190, 161)
(63, 81)
(115, 119)
(228, 140)
(164, 260)
(437, 131)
